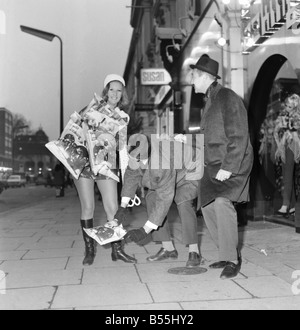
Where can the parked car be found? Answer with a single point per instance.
(16, 180)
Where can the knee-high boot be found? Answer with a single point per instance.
(90, 249)
(119, 254)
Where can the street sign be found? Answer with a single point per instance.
(155, 76)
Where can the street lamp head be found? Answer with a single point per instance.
(38, 33)
(50, 36)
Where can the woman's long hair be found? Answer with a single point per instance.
(124, 102)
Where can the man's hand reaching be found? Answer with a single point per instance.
(121, 214)
(135, 235)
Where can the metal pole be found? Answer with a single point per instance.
(61, 87)
(14, 131)
(50, 36)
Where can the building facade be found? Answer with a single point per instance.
(272, 72)
(22, 153)
(257, 46)
(31, 155)
(170, 35)
(6, 138)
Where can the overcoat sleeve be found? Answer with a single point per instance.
(132, 179)
(236, 128)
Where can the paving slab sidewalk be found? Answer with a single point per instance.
(41, 252)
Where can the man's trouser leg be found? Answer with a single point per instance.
(163, 232)
(221, 220)
(189, 222)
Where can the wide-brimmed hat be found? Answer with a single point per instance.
(113, 77)
(207, 64)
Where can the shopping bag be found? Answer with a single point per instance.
(89, 138)
(70, 149)
(102, 153)
(99, 116)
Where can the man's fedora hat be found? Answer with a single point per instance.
(206, 64)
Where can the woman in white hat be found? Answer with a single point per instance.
(115, 95)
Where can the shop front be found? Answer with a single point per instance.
(272, 80)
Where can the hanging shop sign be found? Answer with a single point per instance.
(273, 15)
(155, 76)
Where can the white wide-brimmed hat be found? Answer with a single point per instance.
(113, 77)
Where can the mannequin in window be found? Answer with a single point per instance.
(286, 134)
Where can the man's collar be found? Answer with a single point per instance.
(211, 88)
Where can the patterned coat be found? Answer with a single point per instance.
(227, 146)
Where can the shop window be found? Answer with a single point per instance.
(279, 142)
(196, 108)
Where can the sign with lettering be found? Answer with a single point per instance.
(272, 16)
(155, 76)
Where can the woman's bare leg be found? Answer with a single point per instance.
(85, 189)
(109, 192)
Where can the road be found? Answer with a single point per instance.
(13, 198)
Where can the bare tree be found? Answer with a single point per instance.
(21, 123)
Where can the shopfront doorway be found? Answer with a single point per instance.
(275, 81)
(196, 108)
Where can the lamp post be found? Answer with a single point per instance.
(50, 36)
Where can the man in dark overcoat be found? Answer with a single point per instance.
(228, 159)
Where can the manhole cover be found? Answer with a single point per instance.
(187, 271)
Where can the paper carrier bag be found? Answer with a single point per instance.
(70, 149)
(105, 234)
(90, 138)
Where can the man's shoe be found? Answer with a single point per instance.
(231, 270)
(163, 254)
(194, 260)
(218, 265)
